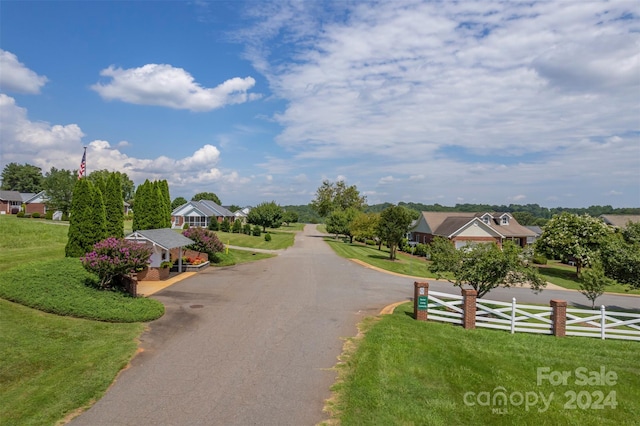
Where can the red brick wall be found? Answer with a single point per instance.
(35, 208)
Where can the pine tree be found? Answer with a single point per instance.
(114, 203)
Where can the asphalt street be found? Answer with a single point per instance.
(255, 344)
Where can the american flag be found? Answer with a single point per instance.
(83, 165)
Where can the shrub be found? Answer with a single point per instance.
(237, 227)
(420, 250)
(539, 259)
(214, 225)
(20, 214)
(205, 241)
(257, 231)
(35, 215)
(65, 217)
(114, 257)
(48, 215)
(225, 226)
(185, 226)
(267, 237)
(246, 229)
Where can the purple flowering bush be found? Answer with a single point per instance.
(205, 240)
(115, 257)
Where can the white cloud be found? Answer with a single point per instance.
(490, 99)
(37, 143)
(386, 180)
(15, 76)
(45, 145)
(164, 85)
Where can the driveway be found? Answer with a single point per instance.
(255, 344)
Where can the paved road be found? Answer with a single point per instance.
(255, 344)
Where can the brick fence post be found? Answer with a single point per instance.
(420, 300)
(469, 308)
(558, 317)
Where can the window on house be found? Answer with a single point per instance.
(505, 220)
(196, 220)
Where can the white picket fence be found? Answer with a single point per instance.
(535, 319)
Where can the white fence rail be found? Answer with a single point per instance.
(520, 318)
(603, 324)
(445, 307)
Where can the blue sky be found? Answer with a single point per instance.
(431, 102)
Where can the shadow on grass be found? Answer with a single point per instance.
(558, 273)
(608, 308)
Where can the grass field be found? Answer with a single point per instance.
(281, 238)
(64, 287)
(52, 365)
(25, 240)
(554, 272)
(426, 373)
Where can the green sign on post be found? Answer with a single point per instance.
(422, 303)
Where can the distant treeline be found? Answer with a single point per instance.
(526, 214)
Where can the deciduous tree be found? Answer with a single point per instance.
(206, 196)
(364, 226)
(570, 236)
(331, 196)
(59, 186)
(593, 282)
(177, 202)
(483, 267)
(393, 227)
(22, 178)
(620, 256)
(266, 215)
(339, 222)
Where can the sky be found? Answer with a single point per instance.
(416, 101)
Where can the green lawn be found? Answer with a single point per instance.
(554, 272)
(64, 287)
(236, 257)
(52, 365)
(25, 240)
(415, 373)
(404, 264)
(565, 276)
(281, 238)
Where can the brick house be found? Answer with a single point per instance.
(10, 202)
(466, 228)
(200, 213)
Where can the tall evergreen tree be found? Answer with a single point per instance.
(98, 217)
(152, 206)
(141, 207)
(79, 219)
(87, 223)
(166, 201)
(114, 207)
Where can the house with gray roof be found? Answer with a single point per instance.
(463, 228)
(10, 202)
(200, 213)
(620, 220)
(161, 242)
